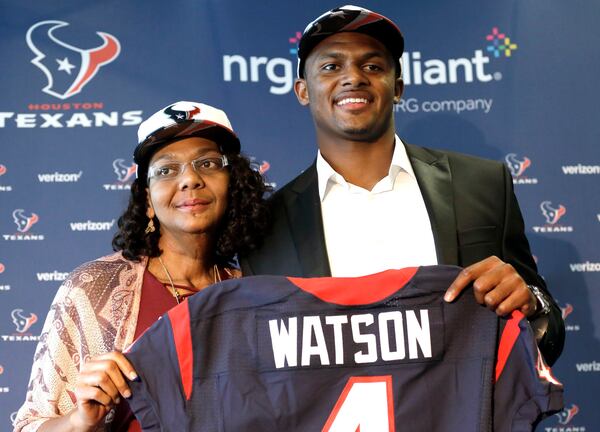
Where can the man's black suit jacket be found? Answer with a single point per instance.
(473, 212)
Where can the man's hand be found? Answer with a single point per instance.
(497, 285)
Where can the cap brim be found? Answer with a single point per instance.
(227, 140)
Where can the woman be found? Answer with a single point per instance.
(194, 205)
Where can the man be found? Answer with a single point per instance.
(371, 202)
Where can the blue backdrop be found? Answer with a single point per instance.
(510, 80)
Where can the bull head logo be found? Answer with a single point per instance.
(566, 415)
(2, 169)
(552, 214)
(22, 322)
(262, 167)
(67, 68)
(179, 113)
(566, 311)
(123, 171)
(516, 166)
(24, 223)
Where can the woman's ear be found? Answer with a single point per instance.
(149, 210)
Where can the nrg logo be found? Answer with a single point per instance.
(416, 70)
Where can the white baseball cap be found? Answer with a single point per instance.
(182, 119)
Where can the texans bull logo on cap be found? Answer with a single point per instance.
(183, 119)
(180, 115)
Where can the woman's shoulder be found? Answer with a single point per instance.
(105, 268)
(113, 260)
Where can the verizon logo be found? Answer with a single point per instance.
(57, 177)
(585, 267)
(588, 367)
(580, 169)
(92, 226)
(51, 276)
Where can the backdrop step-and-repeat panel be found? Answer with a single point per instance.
(514, 81)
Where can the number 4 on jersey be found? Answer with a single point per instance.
(365, 405)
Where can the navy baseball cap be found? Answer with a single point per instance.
(350, 19)
(183, 119)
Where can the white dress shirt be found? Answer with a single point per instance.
(387, 227)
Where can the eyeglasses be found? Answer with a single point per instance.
(202, 166)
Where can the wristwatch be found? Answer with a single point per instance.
(543, 305)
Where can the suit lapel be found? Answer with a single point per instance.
(435, 181)
(306, 225)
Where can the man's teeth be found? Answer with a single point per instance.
(352, 100)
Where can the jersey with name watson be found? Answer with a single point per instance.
(377, 353)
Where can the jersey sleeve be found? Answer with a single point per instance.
(163, 360)
(522, 374)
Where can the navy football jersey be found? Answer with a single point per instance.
(377, 353)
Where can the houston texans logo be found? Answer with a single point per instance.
(516, 166)
(566, 415)
(566, 311)
(2, 169)
(2, 268)
(181, 114)
(552, 214)
(23, 322)
(24, 223)
(123, 171)
(67, 68)
(260, 167)
(264, 167)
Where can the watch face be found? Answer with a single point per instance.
(544, 305)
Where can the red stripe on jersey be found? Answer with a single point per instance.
(352, 291)
(544, 370)
(134, 426)
(507, 341)
(182, 336)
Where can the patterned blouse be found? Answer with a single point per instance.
(95, 311)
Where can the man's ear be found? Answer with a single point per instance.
(398, 89)
(301, 90)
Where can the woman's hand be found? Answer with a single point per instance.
(101, 383)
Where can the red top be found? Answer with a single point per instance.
(156, 299)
